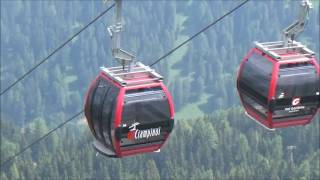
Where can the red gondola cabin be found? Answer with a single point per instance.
(129, 112)
(279, 86)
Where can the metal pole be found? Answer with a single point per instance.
(123, 57)
(292, 31)
(291, 160)
(118, 26)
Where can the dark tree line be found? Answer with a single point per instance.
(223, 145)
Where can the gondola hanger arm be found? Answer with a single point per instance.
(292, 31)
(123, 57)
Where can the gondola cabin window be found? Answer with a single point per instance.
(255, 81)
(296, 91)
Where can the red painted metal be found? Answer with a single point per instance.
(117, 120)
(147, 149)
(272, 90)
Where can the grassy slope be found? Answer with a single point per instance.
(190, 110)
